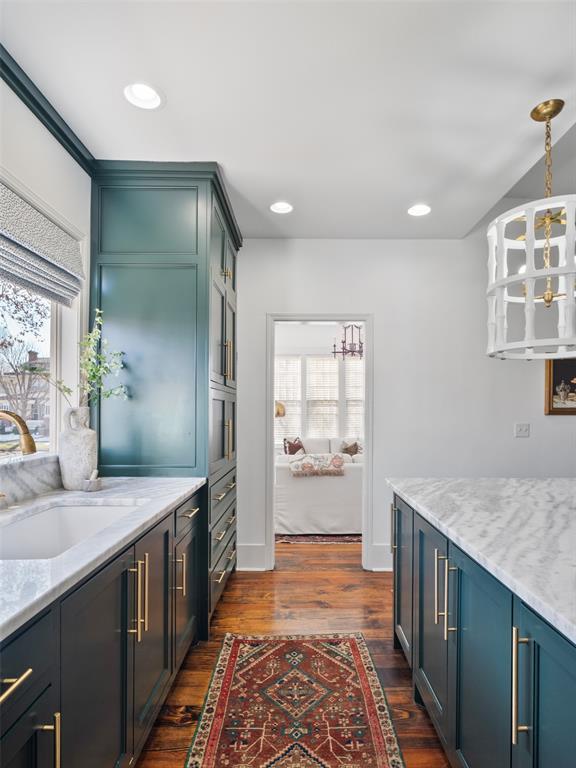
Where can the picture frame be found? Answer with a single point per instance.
(560, 394)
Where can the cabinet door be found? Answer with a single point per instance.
(153, 650)
(222, 431)
(231, 268)
(546, 694)
(230, 344)
(430, 651)
(479, 665)
(218, 349)
(187, 583)
(403, 532)
(97, 652)
(218, 245)
(33, 739)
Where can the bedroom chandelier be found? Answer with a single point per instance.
(532, 270)
(353, 347)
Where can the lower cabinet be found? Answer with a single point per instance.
(402, 538)
(34, 739)
(430, 639)
(98, 626)
(498, 682)
(153, 647)
(544, 730)
(187, 591)
(479, 631)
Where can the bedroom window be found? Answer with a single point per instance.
(323, 397)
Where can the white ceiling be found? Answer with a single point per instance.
(352, 111)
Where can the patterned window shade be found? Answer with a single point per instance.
(354, 396)
(36, 253)
(288, 390)
(321, 396)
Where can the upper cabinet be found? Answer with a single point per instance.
(164, 248)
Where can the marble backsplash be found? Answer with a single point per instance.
(24, 477)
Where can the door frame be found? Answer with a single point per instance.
(368, 560)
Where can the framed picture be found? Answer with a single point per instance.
(560, 388)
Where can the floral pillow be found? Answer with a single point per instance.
(314, 464)
(291, 447)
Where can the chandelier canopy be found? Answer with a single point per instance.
(532, 270)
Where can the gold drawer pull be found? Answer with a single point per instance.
(139, 620)
(146, 589)
(221, 579)
(446, 614)
(191, 514)
(220, 536)
(516, 641)
(232, 555)
(437, 558)
(392, 528)
(57, 728)
(183, 561)
(219, 497)
(231, 520)
(13, 682)
(231, 485)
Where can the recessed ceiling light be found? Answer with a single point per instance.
(281, 206)
(143, 96)
(419, 209)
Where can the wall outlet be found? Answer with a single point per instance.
(521, 430)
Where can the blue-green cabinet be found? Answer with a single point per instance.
(479, 631)
(430, 645)
(402, 547)
(545, 681)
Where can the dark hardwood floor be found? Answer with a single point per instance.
(315, 588)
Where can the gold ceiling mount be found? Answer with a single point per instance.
(547, 110)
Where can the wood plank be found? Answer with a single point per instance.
(315, 588)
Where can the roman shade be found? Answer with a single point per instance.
(36, 253)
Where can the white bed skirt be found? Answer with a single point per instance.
(321, 505)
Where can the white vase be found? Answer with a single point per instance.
(78, 451)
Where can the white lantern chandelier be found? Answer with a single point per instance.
(532, 270)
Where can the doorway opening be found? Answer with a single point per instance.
(319, 440)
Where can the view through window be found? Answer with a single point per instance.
(24, 366)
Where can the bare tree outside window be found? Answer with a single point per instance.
(24, 358)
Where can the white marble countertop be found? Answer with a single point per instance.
(28, 586)
(523, 531)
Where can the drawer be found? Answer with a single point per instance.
(27, 666)
(221, 494)
(220, 575)
(221, 532)
(185, 513)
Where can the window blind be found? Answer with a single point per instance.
(354, 396)
(321, 396)
(36, 253)
(288, 389)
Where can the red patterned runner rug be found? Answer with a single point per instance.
(295, 701)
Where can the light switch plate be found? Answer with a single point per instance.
(521, 430)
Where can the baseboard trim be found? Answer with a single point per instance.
(379, 558)
(251, 557)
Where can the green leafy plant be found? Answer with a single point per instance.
(97, 363)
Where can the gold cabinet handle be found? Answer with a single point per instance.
(146, 590)
(446, 613)
(192, 513)
(14, 683)
(232, 555)
(229, 452)
(220, 536)
(56, 726)
(221, 579)
(516, 642)
(437, 612)
(231, 520)
(184, 564)
(230, 366)
(392, 527)
(231, 485)
(226, 369)
(219, 497)
(139, 620)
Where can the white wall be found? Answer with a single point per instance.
(40, 170)
(441, 407)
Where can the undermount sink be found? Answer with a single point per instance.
(52, 531)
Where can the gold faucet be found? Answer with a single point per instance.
(27, 444)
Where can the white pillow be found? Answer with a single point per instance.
(316, 445)
(358, 458)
